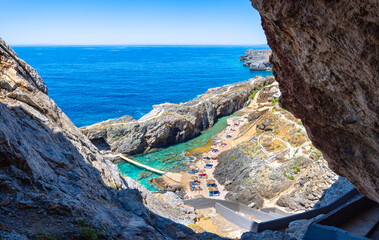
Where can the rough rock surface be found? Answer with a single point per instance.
(266, 235)
(325, 58)
(294, 176)
(257, 60)
(169, 123)
(51, 175)
(234, 170)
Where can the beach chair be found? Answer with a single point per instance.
(210, 193)
(216, 193)
(208, 165)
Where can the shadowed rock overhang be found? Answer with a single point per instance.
(325, 58)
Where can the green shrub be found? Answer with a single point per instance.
(291, 177)
(88, 233)
(253, 94)
(273, 101)
(318, 153)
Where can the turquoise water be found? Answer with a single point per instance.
(170, 159)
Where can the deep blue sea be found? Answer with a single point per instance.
(95, 83)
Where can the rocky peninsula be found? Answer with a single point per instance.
(257, 60)
(169, 123)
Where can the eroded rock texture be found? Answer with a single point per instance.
(51, 175)
(325, 57)
(257, 60)
(170, 123)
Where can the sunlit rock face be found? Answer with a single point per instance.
(325, 57)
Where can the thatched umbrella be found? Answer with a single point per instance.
(214, 156)
(212, 189)
(202, 171)
(211, 181)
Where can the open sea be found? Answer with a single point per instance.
(95, 83)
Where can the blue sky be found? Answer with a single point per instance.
(119, 22)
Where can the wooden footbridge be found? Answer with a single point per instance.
(129, 160)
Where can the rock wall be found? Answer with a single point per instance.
(257, 60)
(168, 123)
(325, 58)
(51, 175)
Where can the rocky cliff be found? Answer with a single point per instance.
(277, 164)
(169, 123)
(257, 60)
(54, 181)
(325, 58)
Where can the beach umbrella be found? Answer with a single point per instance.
(214, 156)
(195, 177)
(213, 189)
(211, 181)
(202, 171)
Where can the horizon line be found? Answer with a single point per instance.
(26, 45)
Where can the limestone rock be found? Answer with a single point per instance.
(234, 167)
(257, 60)
(169, 123)
(325, 58)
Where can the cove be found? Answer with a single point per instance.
(170, 159)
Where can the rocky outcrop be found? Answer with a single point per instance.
(325, 58)
(169, 123)
(257, 60)
(279, 166)
(54, 180)
(234, 171)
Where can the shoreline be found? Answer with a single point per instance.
(225, 141)
(177, 157)
(168, 124)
